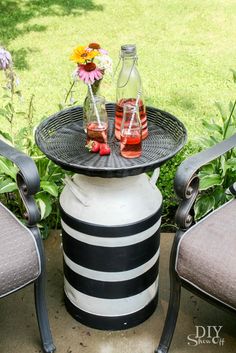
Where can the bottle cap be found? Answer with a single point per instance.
(128, 50)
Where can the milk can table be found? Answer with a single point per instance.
(111, 216)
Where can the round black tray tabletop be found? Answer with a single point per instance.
(62, 139)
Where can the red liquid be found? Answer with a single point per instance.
(119, 116)
(130, 144)
(97, 132)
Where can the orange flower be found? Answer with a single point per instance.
(94, 46)
(81, 55)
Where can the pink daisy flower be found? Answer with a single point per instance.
(103, 51)
(89, 73)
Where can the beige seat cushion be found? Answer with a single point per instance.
(19, 258)
(206, 255)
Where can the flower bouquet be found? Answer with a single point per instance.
(92, 62)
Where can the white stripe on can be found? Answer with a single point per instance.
(110, 307)
(112, 276)
(111, 241)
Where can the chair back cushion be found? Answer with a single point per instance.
(206, 255)
(19, 256)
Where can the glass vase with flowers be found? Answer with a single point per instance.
(92, 63)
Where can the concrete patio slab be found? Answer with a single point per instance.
(19, 332)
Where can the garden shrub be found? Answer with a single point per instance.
(166, 185)
(216, 177)
(51, 175)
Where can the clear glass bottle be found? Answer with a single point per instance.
(129, 89)
(88, 101)
(97, 120)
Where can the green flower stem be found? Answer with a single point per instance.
(10, 81)
(69, 91)
(229, 154)
(31, 112)
(229, 120)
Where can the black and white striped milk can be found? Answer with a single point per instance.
(110, 232)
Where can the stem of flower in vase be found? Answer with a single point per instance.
(94, 103)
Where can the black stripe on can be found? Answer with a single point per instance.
(110, 231)
(110, 259)
(111, 290)
(112, 322)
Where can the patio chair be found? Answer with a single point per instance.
(203, 255)
(21, 251)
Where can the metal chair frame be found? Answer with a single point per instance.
(186, 185)
(28, 183)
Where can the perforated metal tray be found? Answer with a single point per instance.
(62, 139)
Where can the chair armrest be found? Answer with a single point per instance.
(27, 179)
(26, 165)
(186, 181)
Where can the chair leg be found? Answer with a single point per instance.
(171, 318)
(42, 315)
(174, 302)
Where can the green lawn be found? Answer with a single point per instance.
(186, 49)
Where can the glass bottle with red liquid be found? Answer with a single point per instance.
(129, 89)
(131, 132)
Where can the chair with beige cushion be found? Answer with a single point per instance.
(203, 255)
(21, 251)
